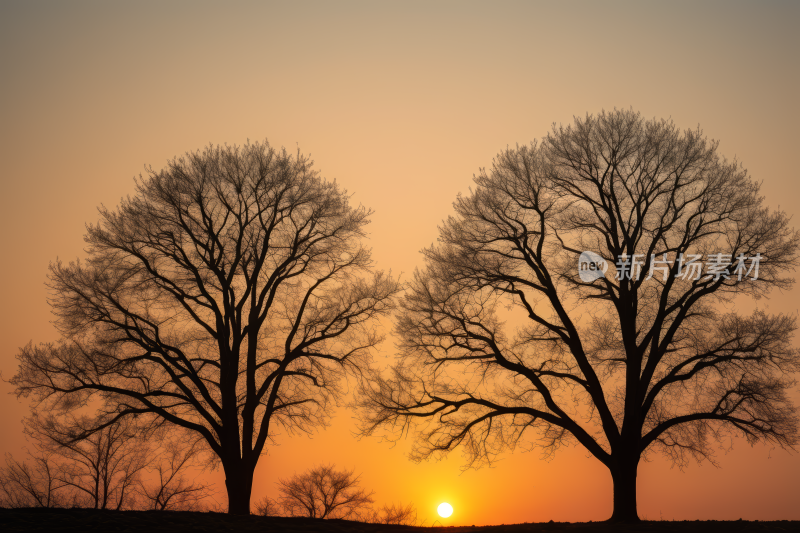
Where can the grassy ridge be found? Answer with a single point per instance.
(80, 520)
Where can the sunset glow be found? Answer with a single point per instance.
(401, 104)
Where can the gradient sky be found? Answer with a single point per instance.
(400, 103)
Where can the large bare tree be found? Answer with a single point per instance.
(228, 296)
(505, 339)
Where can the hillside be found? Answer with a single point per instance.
(87, 520)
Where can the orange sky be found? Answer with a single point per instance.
(401, 103)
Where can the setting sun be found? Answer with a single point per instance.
(445, 510)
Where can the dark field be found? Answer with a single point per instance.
(76, 520)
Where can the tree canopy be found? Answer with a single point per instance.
(229, 296)
(505, 338)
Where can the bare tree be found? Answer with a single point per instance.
(268, 507)
(398, 514)
(171, 489)
(31, 484)
(229, 297)
(641, 359)
(103, 467)
(323, 492)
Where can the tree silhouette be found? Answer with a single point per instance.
(397, 514)
(322, 492)
(171, 490)
(31, 484)
(267, 506)
(102, 467)
(642, 359)
(229, 297)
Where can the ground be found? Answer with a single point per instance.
(80, 520)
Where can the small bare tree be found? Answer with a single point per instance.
(32, 484)
(323, 492)
(171, 489)
(268, 507)
(398, 514)
(103, 466)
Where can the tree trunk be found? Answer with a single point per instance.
(624, 478)
(239, 482)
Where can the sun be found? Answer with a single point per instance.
(445, 510)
